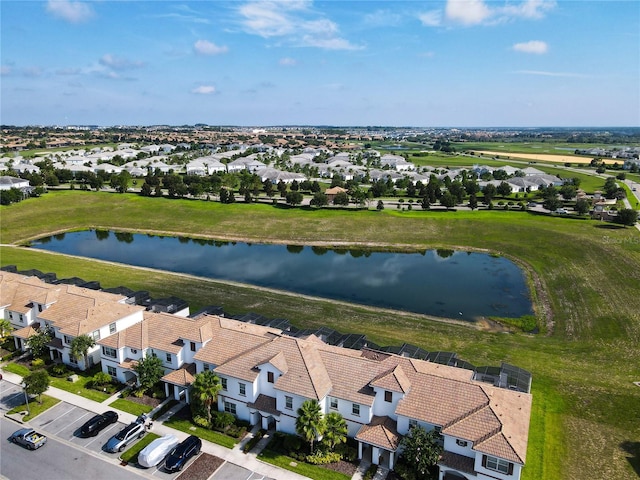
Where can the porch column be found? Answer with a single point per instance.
(391, 455)
(359, 450)
(166, 389)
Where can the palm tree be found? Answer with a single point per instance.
(80, 346)
(5, 328)
(335, 431)
(310, 422)
(206, 388)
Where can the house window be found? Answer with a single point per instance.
(334, 403)
(67, 340)
(206, 367)
(168, 357)
(109, 352)
(497, 464)
(134, 351)
(153, 354)
(242, 389)
(388, 396)
(40, 307)
(230, 407)
(95, 335)
(112, 371)
(193, 346)
(288, 403)
(223, 382)
(21, 318)
(73, 360)
(270, 377)
(413, 424)
(461, 443)
(112, 328)
(355, 409)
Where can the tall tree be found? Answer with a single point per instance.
(5, 327)
(206, 387)
(149, 370)
(421, 450)
(627, 217)
(39, 343)
(37, 383)
(80, 346)
(310, 422)
(335, 431)
(489, 191)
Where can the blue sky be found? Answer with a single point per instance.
(420, 63)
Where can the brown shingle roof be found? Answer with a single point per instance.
(184, 376)
(395, 380)
(264, 403)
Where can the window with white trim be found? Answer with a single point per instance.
(242, 389)
(168, 357)
(95, 335)
(333, 403)
(230, 407)
(223, 382)
(288, 403)
(109, 352)
(270, 377)
(206, 367)
(497, 465)
(67, 339)
(412, 423)
(355, 409)
(112, 371)
(388, 396)
(193, 346)
(112, 328)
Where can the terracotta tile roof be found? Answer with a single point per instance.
(128, 363)
(231, 338)
(26, 332)
(350, 376)
(17, 292)
(306, 375)
(184, 376)
(475, 427)
(395, 380)
(380, 432)
(266, 404)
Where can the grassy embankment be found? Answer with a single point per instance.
(586, 413)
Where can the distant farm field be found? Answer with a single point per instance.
(586, 409)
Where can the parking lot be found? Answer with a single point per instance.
(63, 421)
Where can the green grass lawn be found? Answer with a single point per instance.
(585, 408)
(35, 408)
(304, 469)
(131, 407)
(131, 454)
(185, 425)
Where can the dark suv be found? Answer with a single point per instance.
(179, 456)
(92, 427)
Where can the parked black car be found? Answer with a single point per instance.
(93, 426)
(179, 456)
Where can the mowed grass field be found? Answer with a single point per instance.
(586, 411)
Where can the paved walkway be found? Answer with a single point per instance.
(235, 455)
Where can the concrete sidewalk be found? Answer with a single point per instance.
(235, 455)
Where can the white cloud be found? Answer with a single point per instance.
(432, 18)
(550, 74)
(295, 22)
(204, 90)
(73, 12)
(467, 12)
(204, 47)
(478, 12)
(119, 63)
(6, 70)
(288, 62)
(534, 46)
(382, 18)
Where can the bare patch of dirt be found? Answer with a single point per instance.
(342, 466)
(145, 400)
(202, 468)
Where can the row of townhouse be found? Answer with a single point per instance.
(266, 375)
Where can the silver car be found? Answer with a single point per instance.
(124, 437)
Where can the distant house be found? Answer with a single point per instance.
(332, 192)
(7, 183)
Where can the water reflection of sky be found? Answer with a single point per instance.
(444, 283)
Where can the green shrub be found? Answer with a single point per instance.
(347, 452)
(100, 379)
(59, 370)
(323, 458)
(37, 363)
(202, 421)
(253, 441)
(371, 471)
(292, 443)
(222, 420)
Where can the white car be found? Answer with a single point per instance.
(157, 450)
(561, 211)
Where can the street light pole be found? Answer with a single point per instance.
(26, 397)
